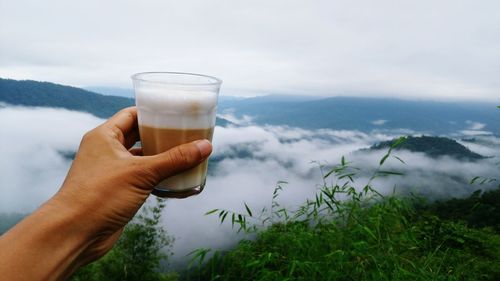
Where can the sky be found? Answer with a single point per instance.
(441, 50)
(33, 168)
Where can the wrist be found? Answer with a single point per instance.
(78, 212)
(50, 240)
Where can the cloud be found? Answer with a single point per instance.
(485, 145)
(475, 133)
(31, 165)
(418, 49)
(379, 122)
(283, 153)
(243, 120)
(475, 125)
(33, 169)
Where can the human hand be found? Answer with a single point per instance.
(106, 185)
(108, 181)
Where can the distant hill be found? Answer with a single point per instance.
(112, 91)
(338, 113)
(34, 93)
(368, 114)
(434, 147)
(46, 94)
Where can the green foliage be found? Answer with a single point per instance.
(380, 244)
(138, 254)
(481, 209)
(433, 146)
(367, 237)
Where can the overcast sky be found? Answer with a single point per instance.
(417, 49)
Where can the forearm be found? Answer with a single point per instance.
(47, 245)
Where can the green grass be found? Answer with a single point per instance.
(366, 237)
(386, 241)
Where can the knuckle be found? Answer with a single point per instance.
(182, 156)
(88, 136)
(93, 135)
(116, 133)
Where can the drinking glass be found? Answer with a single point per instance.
(174, 108)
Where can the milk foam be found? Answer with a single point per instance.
(183, 109)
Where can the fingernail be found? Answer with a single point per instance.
(204, 146)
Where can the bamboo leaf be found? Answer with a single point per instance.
(388, 173)
(329, 205)
(400, 160)
(253, 263)
(473, 180)
(384, 158)
(248, 209)
(367, 230)
(223, 217)
(399, 142)
(211, 212)
(329, 173)
(347, 176)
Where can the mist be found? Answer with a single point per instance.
(32, 145)
(247, 162)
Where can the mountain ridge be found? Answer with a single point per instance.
(48, 94)
(337, 113)
(355, 113)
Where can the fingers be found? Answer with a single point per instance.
(123, 126)
(131, 138)
(175, 160)
(136, 151)
(125, 119)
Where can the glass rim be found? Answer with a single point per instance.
(140, 76)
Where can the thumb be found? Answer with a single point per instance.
(176, 160)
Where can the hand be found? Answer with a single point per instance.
(106, 185)
(109, 182)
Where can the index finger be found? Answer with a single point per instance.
(125, 120)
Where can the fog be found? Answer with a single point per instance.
(442, 50)
(250, 160)
(32, 167)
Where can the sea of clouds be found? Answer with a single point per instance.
(33, 168)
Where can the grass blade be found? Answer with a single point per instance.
(248, 209)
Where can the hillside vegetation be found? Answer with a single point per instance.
(367, 237)
(45, 94)
(386, 241)
(433, 146)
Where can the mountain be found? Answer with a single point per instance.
(338, 113)
(112, 91)
(368, 114)
(434, 147)
(46, 94)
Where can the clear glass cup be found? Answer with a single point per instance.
(174, 108)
